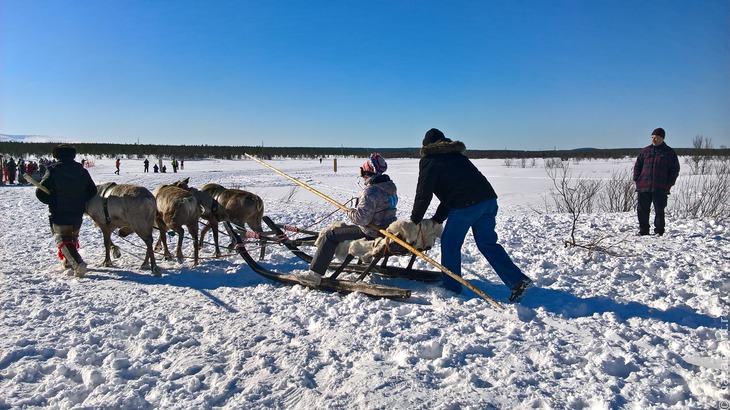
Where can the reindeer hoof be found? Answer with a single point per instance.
(116, 253)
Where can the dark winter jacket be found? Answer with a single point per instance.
(71, 188)
(376, 205)
(12, 168)
(445, 171)
(656, 169)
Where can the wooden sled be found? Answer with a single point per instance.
(328, 284)
(383, 269)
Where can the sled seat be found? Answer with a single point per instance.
(391, 249)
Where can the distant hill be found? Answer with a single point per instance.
(34, 138)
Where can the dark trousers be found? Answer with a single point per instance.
(645, 200)
(326, 251)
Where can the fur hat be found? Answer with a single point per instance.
(659, 132)
(64, 151)
(433, 135)
(375, 164)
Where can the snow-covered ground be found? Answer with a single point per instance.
(645, 330)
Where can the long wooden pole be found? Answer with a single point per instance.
(396, 239)
(36, 183)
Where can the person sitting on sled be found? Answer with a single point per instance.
(375, 207)
(70, 187)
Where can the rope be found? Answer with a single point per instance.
(160, 253)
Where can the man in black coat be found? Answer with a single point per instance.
(69, 187)
(467, 201)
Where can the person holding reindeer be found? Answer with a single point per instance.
(375, 207)
(467, 201)
(67, 187)
(655, 172)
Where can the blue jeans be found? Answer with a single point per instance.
(481, 218)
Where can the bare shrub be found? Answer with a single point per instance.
(553, 163)
(698, 162)
(704, 196)
(289, 197)
(574, 197)
(619, 193)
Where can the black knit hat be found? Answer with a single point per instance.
(433, 135)
(64, 151)
(659, 132)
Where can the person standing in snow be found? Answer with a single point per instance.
(117, 164)
(467, 200)
(11, 167)
(375, 207)
(22, 169)
(655, 172)
(146, 165)
(70, 187)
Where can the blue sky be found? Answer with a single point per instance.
(502, 74)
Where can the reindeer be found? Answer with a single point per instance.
(241, 207)
(176, 207)
(130, 208)
(213, 212)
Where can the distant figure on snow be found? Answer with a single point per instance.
(117, 164)
(146, 165)
(11, 167)
(655, 172)
(156, 168)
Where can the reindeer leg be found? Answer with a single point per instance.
(179, 253)
(115, 250)
(107, 245)
(163, 240)
(215, 239)
(149, 259)
(205, 229)
(193, 229)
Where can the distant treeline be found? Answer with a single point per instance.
(44, 149)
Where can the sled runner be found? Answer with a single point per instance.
(393, 249)
(328, 284)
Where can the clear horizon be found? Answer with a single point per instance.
(516, 75)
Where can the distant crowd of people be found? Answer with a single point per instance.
(13, 171)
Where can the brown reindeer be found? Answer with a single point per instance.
(130, 208)
(241, 207)
(213, 212)
(176, 207)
